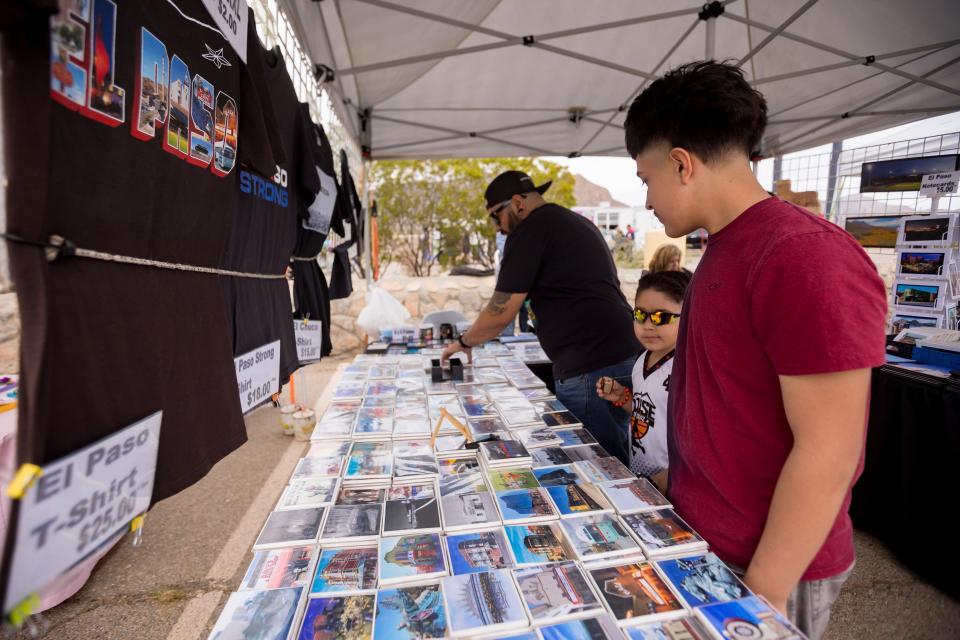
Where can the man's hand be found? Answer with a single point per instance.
(455, 347)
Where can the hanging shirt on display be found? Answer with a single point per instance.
(341, 280)
(265, 223)
(311, 296)
(126, 127)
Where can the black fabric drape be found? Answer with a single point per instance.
(909, 478)
(106, 344)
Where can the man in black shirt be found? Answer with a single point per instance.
(560, 261)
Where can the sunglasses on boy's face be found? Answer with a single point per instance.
(658, 318)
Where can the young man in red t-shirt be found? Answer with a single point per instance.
(782, 322)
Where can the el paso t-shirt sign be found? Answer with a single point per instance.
(80, 502)
(258, 375)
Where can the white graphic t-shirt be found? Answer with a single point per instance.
(648, 421)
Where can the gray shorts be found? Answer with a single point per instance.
(809, 604)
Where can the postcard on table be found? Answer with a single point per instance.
(258, 615)
(476, 551)
(411, 558)
(663, 532)
(702, 579)
(635, 591)
(538, 543)
(557, 592)
(410, 613)
(483, 603)
(279, 568)
(345, 571)
(290, 528)
(341, 617)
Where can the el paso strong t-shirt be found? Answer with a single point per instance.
(561, 261)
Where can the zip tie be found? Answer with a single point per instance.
(136, 525)
(22, 611)
(26, 475)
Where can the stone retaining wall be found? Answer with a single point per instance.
(419, 295)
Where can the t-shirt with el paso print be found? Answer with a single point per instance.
(126, 124)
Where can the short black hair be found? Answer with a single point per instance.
(706, 107)
(672, 284)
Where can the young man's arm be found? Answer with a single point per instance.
(500, 310)
(827, 415)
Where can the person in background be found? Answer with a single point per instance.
(656, 313)
(561, 262)
(666, 258)
(768, 403)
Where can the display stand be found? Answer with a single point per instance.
(926, 289)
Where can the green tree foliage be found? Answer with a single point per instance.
(431, 207)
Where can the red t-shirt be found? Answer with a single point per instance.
(779, 291)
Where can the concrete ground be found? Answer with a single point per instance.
(196, 547)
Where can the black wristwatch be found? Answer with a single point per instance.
(462, 343)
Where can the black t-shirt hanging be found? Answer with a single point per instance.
(563, 264)
(125, 124)
(311, 296)
(341, 280)
(265, 225)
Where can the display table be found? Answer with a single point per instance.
(909, 482)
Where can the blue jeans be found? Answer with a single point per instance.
(607, 423)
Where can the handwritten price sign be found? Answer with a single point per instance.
(258, 375)
(939, 184)
(231, 19)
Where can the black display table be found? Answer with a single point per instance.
(908, 492)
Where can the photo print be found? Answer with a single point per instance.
(927, 295)
(922, 263)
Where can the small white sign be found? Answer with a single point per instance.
(231, 19)
(258, 375)
(81, 501)
(939, 184)
(309, 339)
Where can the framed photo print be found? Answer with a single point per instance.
(927, 295)
(934, 230)
(874, 232)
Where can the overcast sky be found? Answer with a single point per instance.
(618, 175)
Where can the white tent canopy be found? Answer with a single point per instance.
(480, 78)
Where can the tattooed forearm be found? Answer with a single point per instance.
(498, 302)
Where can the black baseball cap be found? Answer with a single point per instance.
(510, 183)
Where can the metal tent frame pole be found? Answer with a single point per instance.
(939, 46)
(843, 54)
(508, 39)
(773, 34)
(636, 92)
(872, 102)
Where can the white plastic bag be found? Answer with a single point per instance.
(382, 310)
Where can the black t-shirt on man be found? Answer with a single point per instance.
(563, 264)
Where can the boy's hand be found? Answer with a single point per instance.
(609, 389)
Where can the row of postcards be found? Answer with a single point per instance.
(556, 541)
